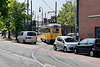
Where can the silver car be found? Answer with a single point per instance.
(27, 37)
(65, 43)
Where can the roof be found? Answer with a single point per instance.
(53, 25)
(27, 31)
(66, 36)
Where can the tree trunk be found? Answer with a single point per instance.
(9, 35)
(16, 33)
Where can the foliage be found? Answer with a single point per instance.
(67, 16)
(4, 8)
(12, 15)
(18, 14)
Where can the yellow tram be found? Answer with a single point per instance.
(50, 32)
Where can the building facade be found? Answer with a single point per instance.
(89, 19)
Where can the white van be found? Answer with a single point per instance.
(27, 37)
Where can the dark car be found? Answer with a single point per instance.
(89, 46)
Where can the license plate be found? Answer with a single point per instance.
(29, 37)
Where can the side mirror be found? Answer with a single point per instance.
(78, 43)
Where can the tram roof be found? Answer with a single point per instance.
(52, 25)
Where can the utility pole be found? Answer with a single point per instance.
(31, 17)
(27, 14)
(77, 21)
(55, 12)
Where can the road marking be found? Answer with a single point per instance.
(26, 58)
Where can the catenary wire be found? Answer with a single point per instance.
(47, 4)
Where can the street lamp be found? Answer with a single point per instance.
(42, 14)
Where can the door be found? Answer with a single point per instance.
(90, 45)
(82, 46)
(58, 42)
(61, 44)
(97, 32)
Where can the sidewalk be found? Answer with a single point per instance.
(13, 38)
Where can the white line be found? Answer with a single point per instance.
(20, 56)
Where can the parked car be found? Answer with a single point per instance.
(72, 35)
(65, 43)
(27, 37)
(89, 46)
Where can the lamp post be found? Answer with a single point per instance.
(77, 20)
(42, 14)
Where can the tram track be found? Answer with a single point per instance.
(52, 57)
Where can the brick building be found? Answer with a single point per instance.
(89, 18)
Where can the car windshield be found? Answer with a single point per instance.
(70, 40)
(31, 34)
(69, 34)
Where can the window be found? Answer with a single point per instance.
(58, 38)
(21, 33)
(55, 30)
(61, 39)
(97, 42)
(45, 30)
(84, 42)
(31, 34)
(91, 41)
(70, 40)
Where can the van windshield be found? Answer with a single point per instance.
(31, 34)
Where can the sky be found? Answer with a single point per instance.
(40, 3)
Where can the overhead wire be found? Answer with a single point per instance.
(47, 4)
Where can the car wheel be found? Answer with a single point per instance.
(91, 53)
(24, 41)
(75, 51)
(41, 39)
(54, 47)
(65, 49)
(34, 42)
(17, 41)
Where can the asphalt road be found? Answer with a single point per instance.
(14, 54)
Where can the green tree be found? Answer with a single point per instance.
(18, 15)
(67, 16)
(4, 10)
